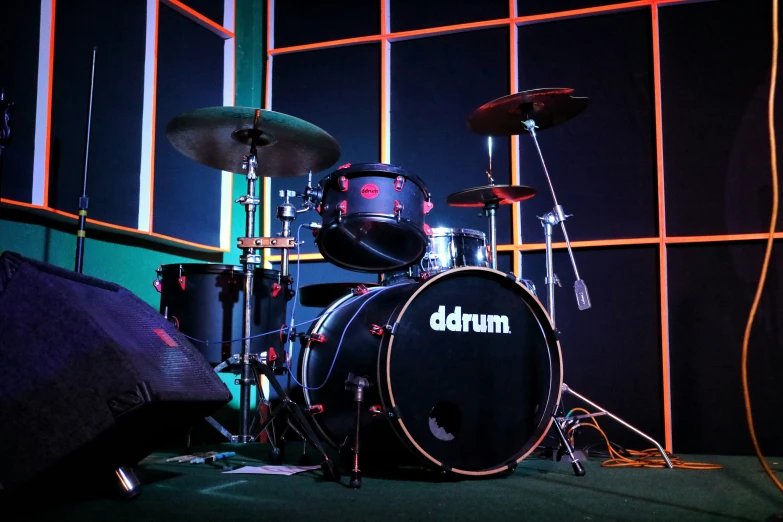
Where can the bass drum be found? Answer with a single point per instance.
(465, 367)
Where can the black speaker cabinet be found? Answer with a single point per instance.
(92, 378)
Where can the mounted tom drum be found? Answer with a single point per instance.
(373, 217)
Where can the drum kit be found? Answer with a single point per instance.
(448, 361)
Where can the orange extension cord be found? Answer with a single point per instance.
(650, 458)
(768, 253)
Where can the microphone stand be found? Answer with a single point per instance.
(84, 200)
(548, 221)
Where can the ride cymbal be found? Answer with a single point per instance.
(220, 137)
(504, 116)
(498, 194)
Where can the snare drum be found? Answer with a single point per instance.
(447, 248)
(372, 218)
(455, 247)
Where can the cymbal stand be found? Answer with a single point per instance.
(548, 221)
(253, 365)
(490, 211)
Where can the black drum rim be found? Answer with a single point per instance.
(555, 392)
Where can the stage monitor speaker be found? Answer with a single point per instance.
(92, 379)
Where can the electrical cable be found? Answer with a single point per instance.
(649, 458)
(768, 251)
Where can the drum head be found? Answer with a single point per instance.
(372, 244)
(474, 371)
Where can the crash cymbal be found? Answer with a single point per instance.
(322, 295)
(504, 116)
(219, 137)
(499, 194)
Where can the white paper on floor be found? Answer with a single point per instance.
(272, 470)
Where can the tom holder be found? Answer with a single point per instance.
(549, 221)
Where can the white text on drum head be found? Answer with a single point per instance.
(456, 321)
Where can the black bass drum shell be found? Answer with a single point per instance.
(210, 308)
(472, 372)
(367, 235)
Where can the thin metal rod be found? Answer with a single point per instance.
(550, 273)
(567, 389)
(493, 238)
(248, 267)
(84, 200)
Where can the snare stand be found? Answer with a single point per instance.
(548, 221)
(253, 363)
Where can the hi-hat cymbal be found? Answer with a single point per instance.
(504, 116)
(219, 137)
(321, 295)
(489, 194)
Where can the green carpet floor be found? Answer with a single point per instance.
(537, 490)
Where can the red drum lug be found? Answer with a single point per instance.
(158, 285)
(276, 287)
(343, 207)
(376, 330)
(318, 209)
(399, 183)
(344, 166)
(376, 410)
(182, 280)
(317, 338)
(427, 229)
(427, 207)
(342, 182)
(316, 409)
(271, 354)
(360, 290)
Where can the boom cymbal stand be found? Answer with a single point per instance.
(252, 365)
(548, 221)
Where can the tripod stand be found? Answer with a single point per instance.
(548, 221)
(253, 365)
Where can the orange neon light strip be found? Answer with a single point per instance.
(200, 18)
(106, 225)
(663, 276)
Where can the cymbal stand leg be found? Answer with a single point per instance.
(559, 216)
(490, 211)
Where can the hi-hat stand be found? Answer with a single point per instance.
(254, 365)
(548, 221)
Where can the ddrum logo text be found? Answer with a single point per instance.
(456, 321)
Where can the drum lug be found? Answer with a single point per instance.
(342, 208)
(271, 355)
(377, 330)
(378, 411)
(399, 183)
(317, 338)
(398, 208)
(344, 166)
(276, 287)
(158, 285)
(427, 229)
(427, 207)
(182, 280)
(342, 182)
(360, 290)
(316, 409)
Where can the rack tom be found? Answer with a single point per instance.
(373, 217)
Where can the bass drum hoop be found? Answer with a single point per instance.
(387, 394)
